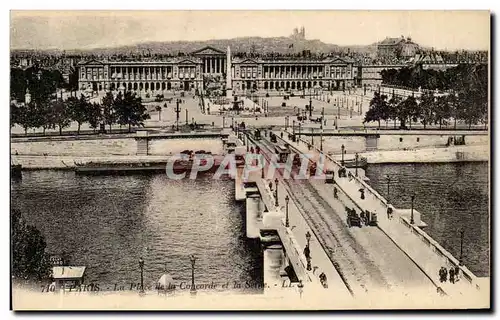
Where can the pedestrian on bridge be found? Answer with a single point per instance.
(443, 274)
(457, 273)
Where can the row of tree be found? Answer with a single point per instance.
(124, 109)
(461, 77)
(428, 109)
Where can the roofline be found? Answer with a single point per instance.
(208, 47)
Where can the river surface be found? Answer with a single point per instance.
(108, 223)
(450, 197)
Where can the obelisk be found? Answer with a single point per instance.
(229, 91)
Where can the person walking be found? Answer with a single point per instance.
(440, 274)
(452, 275)
(457, 273)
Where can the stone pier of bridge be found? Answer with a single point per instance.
(265, 214)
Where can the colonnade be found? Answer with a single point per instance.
(305, 71)
(214, 64)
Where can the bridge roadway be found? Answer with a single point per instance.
(367, 260)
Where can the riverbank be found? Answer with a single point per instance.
(430, 155)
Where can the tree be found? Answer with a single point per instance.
(392, 106)
(78, 109)
(14, 114)
(108, 106)
(28, 116)
(426, 107)
(94, 115)
(411, 109)
(378, 109)
(130, 110)
(29, 260)
(46, 116)
(62, 114)
(441, 111)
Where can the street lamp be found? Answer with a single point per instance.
(293, 128)
(460, 261)
(307, 251)
(310, 105)
(301, 288)
(312, 136)
(287, 222)
(343, 150)
(388, 184)
(412, 221)
(276, 193)
(141, 266)
(356, 156)
(193, 260)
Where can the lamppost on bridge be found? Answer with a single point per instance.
(177, 111)
(310, 104)
(301, 288)
(300, 131)
(287, 222)
(286, 122)
(356, 156)
(412, 221)
(141, 267)
(343, 151)
(312, 136)
(388, 185)
(307, 251)
(276, 193)
(461, 261)
(192, 258)
(263, 165)
(293, 128)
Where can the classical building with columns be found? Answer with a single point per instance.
(186, 73)
(175, 73)
(293, 75)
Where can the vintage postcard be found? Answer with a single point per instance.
(250, 160)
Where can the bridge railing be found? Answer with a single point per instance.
(423, 236)
(442, 252)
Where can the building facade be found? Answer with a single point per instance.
(290, 75)
(187, 73)
(176, 73)
(397, 48)
(370, 74)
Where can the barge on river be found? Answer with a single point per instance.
(178, 166)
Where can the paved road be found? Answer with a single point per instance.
(365, 257)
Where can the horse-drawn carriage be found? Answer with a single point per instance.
(369, 218)
(353, 218)
(317, 120)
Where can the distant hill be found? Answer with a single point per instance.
(281, 45)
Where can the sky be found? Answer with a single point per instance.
(67, 30)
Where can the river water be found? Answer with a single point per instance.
(449, 196)
(108, 223)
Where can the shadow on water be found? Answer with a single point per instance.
(451, 197)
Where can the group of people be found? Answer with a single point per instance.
(454, 274)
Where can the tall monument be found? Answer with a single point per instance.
(229, 91)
